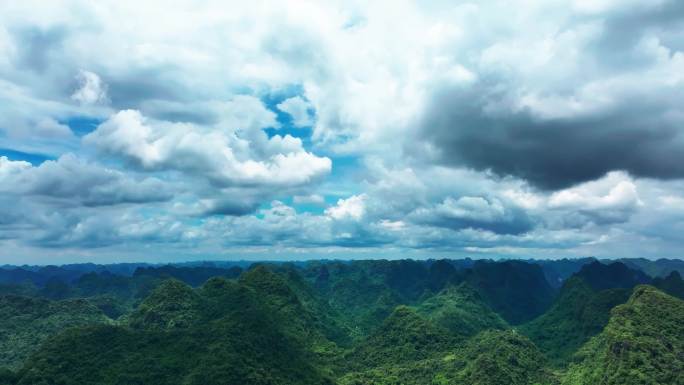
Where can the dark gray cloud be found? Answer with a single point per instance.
(475, 213)
(38, 46)
(604, 98)
(79, 183)
(234, 204)
(130, 89)
(638, 136)
(624, 27)
(98, 229)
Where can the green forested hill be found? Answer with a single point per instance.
(286, 290)
(490, 358)
(611, 275)
(366, 292)
(404, 337)
(172, 305)
(461, 310)
(225, 333)
(643, 344)
(26, 322)
(359, 293)
(361, 322)
(518, 291)
(501, 358)
(579, 313)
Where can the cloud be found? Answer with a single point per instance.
(235, 204)
(91, 88)
(553, 153)
(475, 213)
(39, 46)
(282, 226)
(558, 108)
(102, 229)
(545, 131)
(238, 153)
(314, 199)
(49, 128)
(353, 207)
(612, 199)
(10, 169)
(298, 109)
(77, 182)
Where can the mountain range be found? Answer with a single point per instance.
(484, 322)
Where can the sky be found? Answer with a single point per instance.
(144, 131)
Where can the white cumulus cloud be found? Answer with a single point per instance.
(353, 207)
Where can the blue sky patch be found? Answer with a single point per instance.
(35, 159)
(82, 125)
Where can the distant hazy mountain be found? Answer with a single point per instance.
(517, 290)
(612, 275)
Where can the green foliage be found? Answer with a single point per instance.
(322, 316)
(365, 292)
(26, 289)
(490, 358)
(110, 305)
(56, 289)
(229, 335)
(294, 301)
(643, 344)
(461, 310)
(501, 358)
(26, 322)
(360, 322)
(362, 299)
(404, 336)
(172, 305)
(578, 314)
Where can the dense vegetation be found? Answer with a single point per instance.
(379, 322)
(642, 344)
(25, 323)
(490, 358)
(516, 290)
(579, 313)
(221, 333)
(461, 310)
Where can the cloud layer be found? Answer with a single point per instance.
(308, 130)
